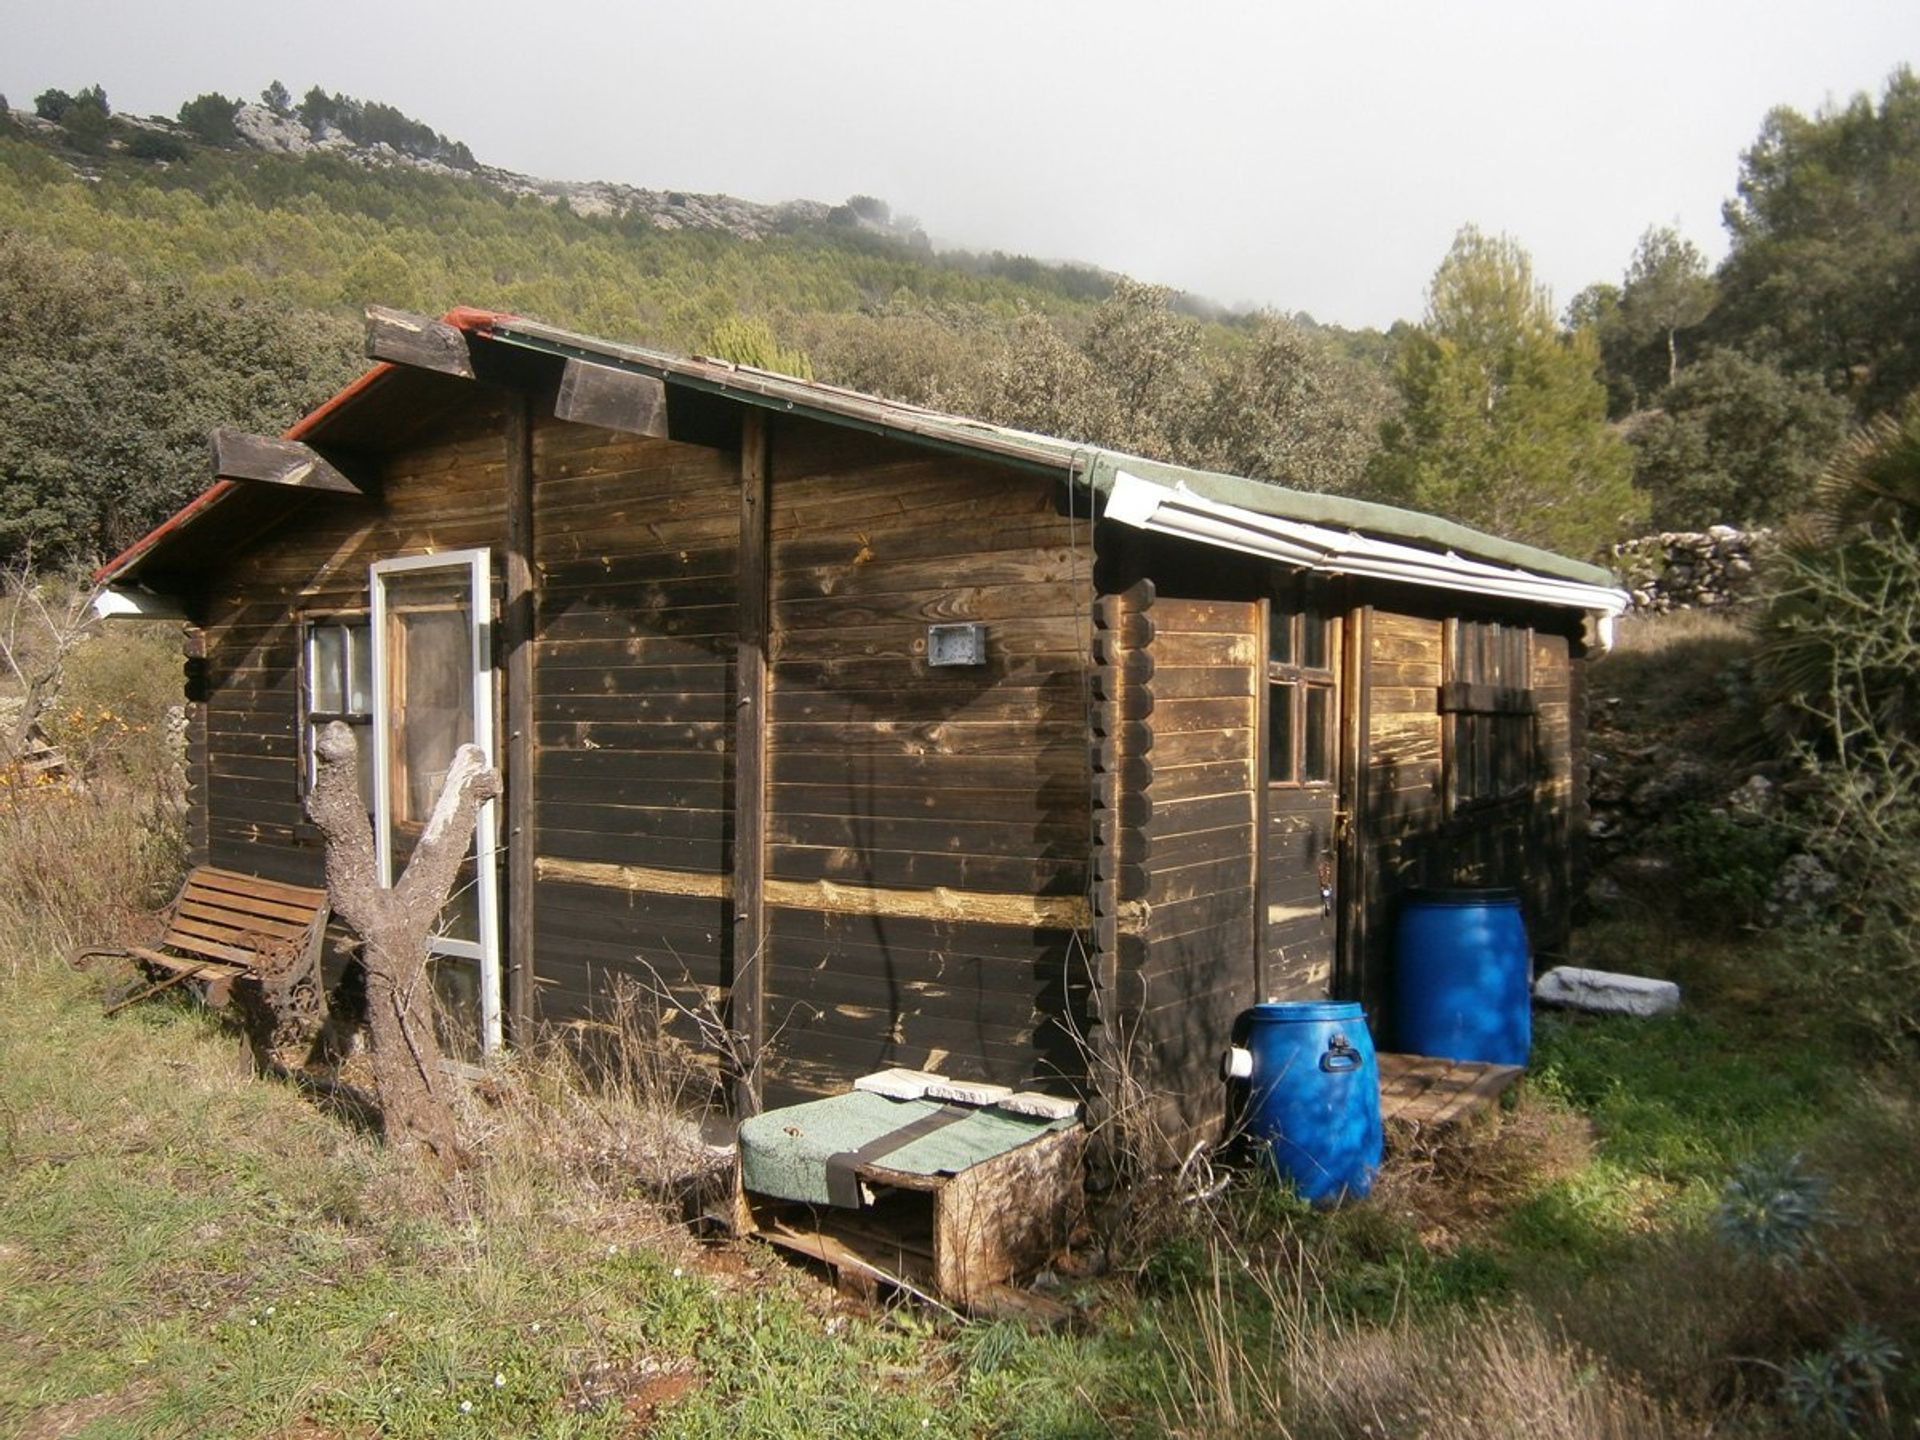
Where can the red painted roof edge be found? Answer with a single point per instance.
(215, 492)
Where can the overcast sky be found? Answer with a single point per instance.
(1306, 157)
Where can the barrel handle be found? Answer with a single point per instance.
(1340, 1056)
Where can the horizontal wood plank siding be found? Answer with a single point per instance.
(634, 715)
(886, 773)
(1197, 970)
(442, 491)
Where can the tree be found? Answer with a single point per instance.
(394, 923)
(1595, 312)
(1824, 271)
(276, 99)
(749, 340)
(1505, 420)
(52, 105)
(1039, 382)
(318, 110)
(1290, 408)
(86, 118)
(209, 118)
(1145, 357)
(109, 386)
(1667, 291)
(1735, 442)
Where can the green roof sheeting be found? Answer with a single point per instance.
(1087, 465)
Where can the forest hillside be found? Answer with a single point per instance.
(161, 275)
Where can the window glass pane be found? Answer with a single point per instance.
(1318, 740)
(1280, 702)
(456, 993)
(1313, 643)
(359, 669)
(1280, 638)
(431, 665)
(326, 666)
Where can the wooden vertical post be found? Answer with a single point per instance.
(749, 1007)
(1354, 882)
(517, 641)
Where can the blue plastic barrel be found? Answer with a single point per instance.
(1463, 978)
(1302, 1080)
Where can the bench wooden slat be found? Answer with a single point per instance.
(252, 887)
(223, 918)
(209, 918)
(297, 916)
(211, 965)
(189, 934)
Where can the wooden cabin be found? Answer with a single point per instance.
(898, 738)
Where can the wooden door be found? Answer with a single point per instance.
(1300, 838)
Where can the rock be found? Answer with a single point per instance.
(898, 1084)
(1047, 1107)
(1680, 780)
(1803, 888)
(1753, 798)
(1604, 892)
(1604, 992)
(969, 1092)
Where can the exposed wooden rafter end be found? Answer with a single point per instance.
(612, 399)
(418, 340)
(263, 460)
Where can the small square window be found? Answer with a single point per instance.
(337, 684)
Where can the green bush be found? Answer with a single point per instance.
(1725, 866)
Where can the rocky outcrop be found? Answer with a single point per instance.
(260, 128)
(1690, 569)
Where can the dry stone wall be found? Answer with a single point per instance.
(1689, 569)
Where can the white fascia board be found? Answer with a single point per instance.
(1176, 510)
(117, 602)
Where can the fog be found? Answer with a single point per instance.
(1314, 158)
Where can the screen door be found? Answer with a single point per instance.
(433, 693)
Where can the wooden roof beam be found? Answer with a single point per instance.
(612, 399)
(267, 461)
(427, 344)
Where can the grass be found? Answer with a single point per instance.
(188, 1250)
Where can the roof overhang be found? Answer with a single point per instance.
(1179, 511)
(1329, 534)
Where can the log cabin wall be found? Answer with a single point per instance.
(634, 714)
(928, 827)
(440, 492)
(1199, 969)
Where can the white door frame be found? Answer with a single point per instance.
(478, 565)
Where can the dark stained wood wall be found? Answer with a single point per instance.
(441, 492)
(1201, 933)
(928, 826)
(634, 716)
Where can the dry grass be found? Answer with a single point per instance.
(1457, 1185)
(1260, 1354)
(1682, 629)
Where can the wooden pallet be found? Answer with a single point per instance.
(1431, 1093)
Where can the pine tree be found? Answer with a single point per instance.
(1505, 417)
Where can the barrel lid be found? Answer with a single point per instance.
(1462, 895)
(1281, 1012)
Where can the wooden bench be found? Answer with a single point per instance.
(225, 925)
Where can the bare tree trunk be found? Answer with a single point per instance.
(394, 926)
